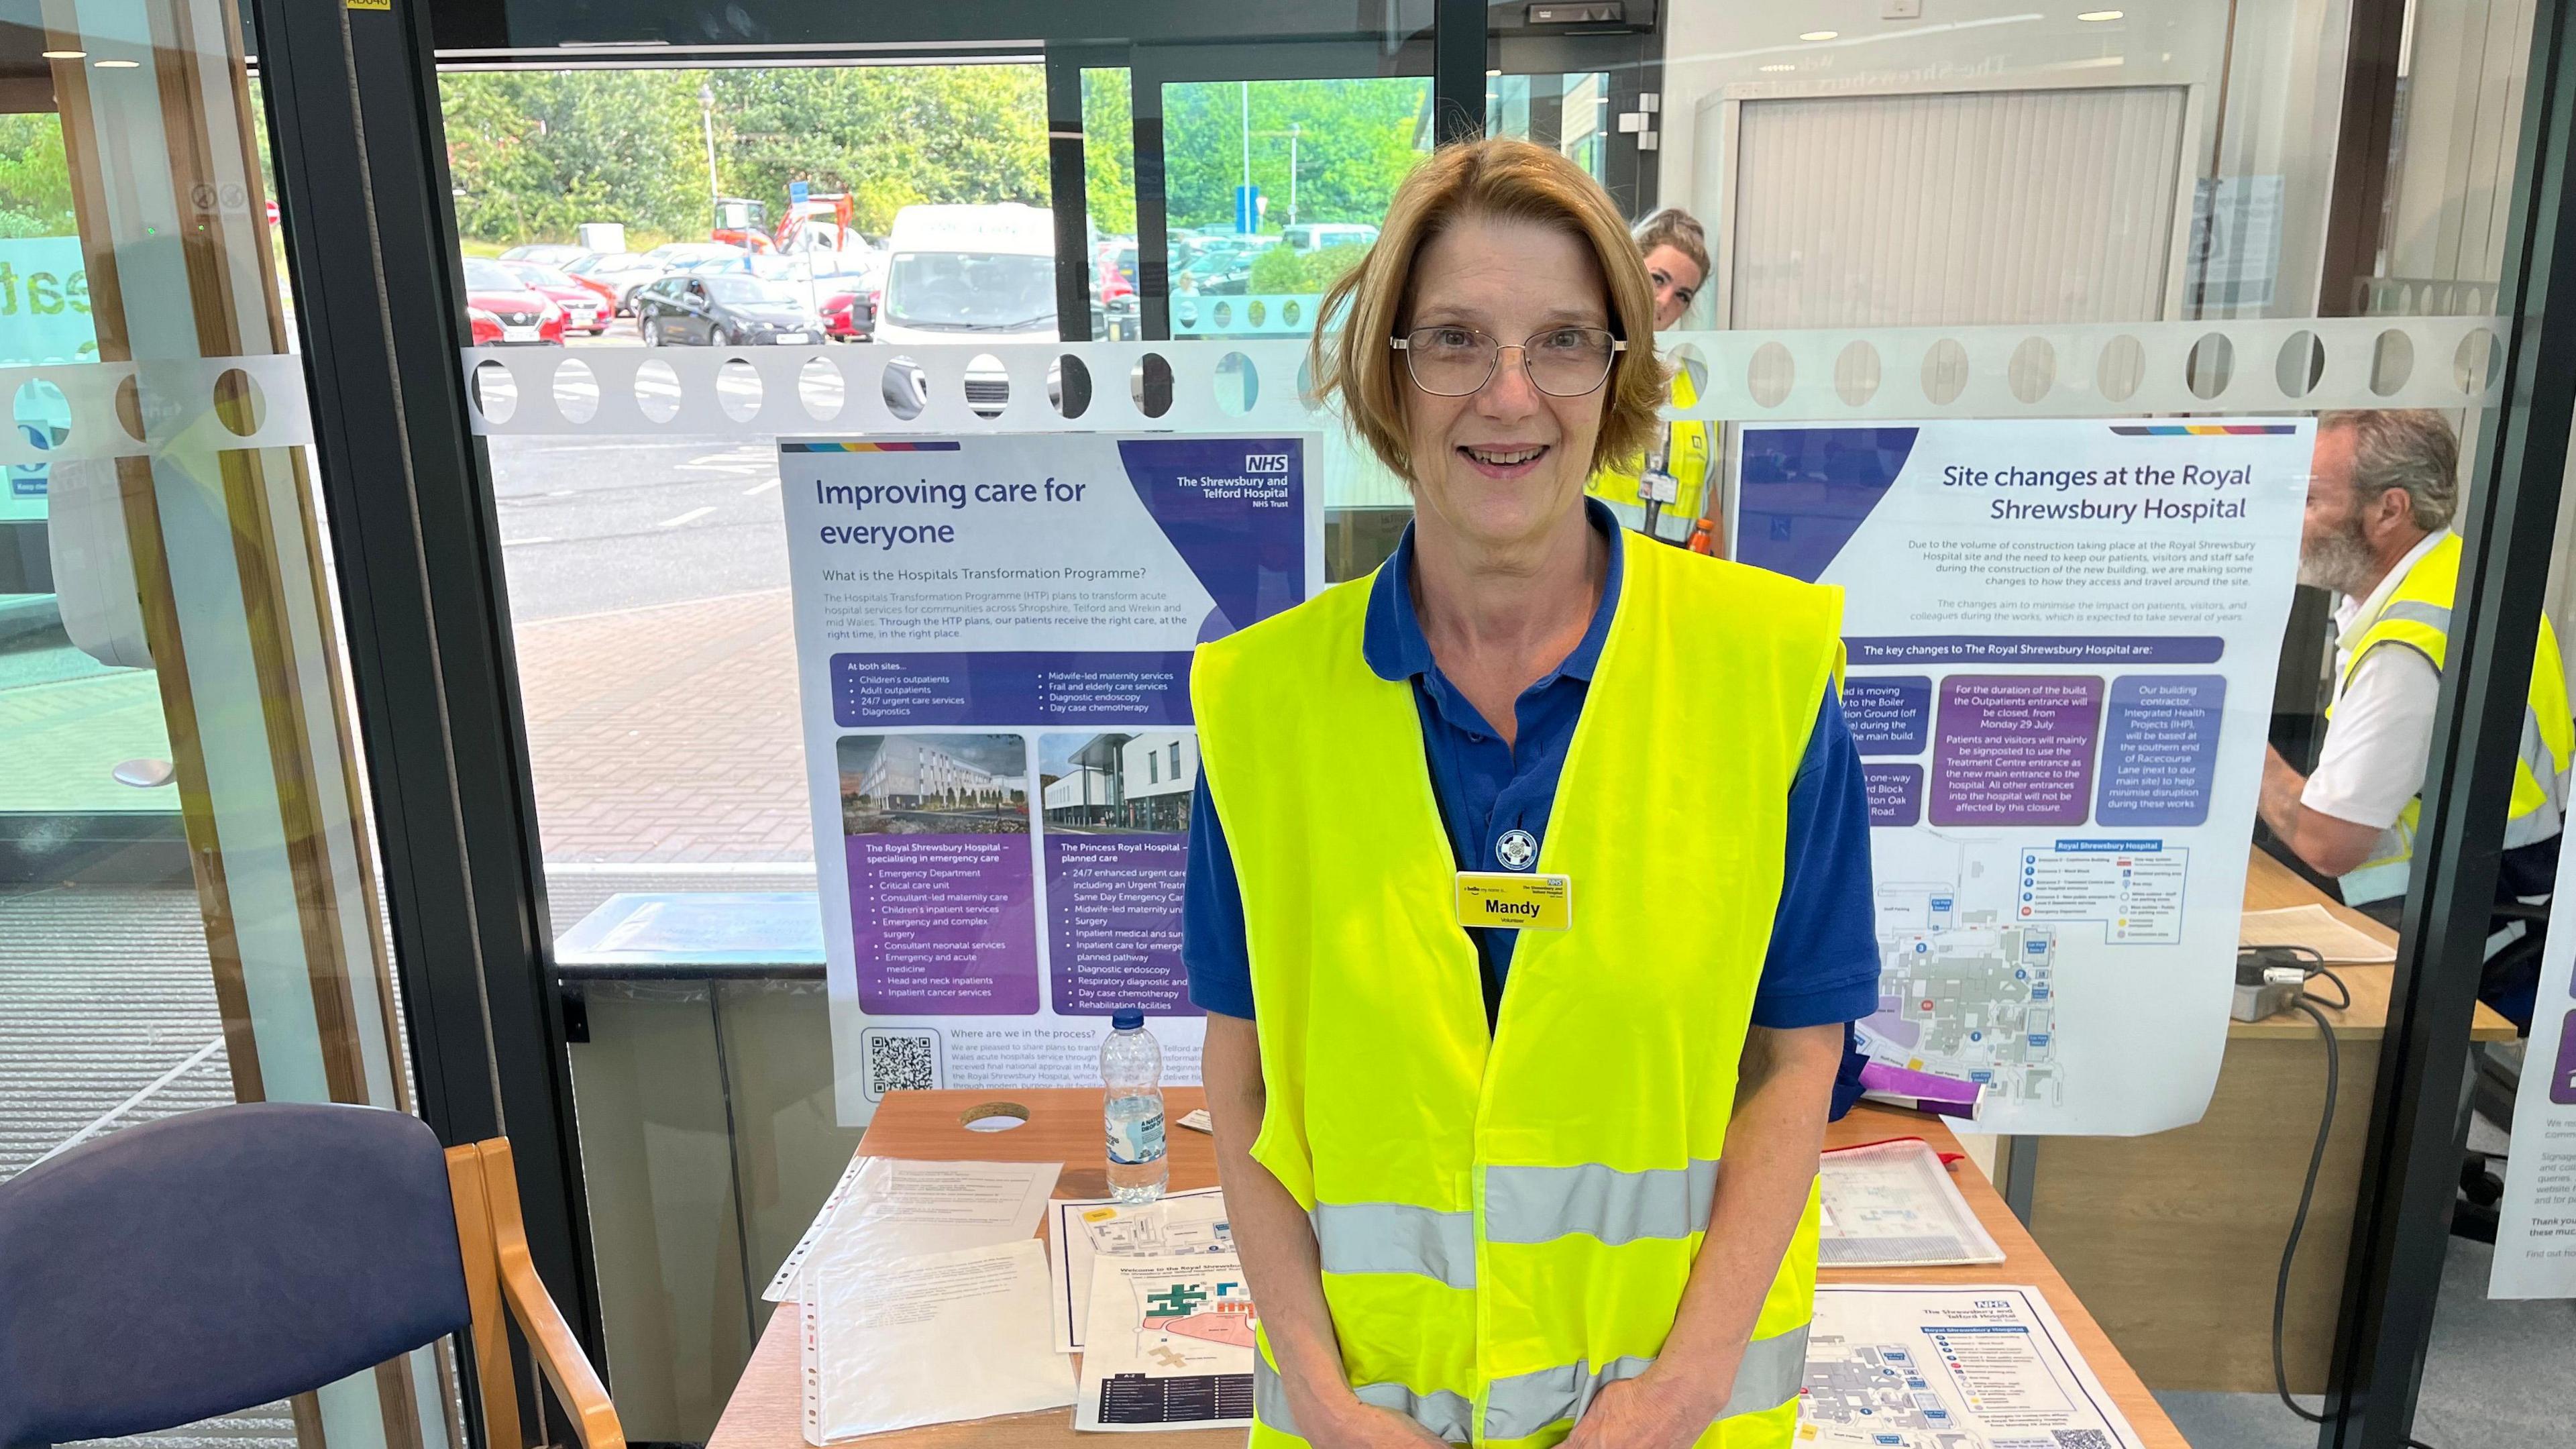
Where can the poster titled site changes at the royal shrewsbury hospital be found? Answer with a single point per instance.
(2061, 637)
(2535, 1246)
(993, 648)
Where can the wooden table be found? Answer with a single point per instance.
(2175, 1238)
(1064, 1125)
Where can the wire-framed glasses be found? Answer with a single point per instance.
(1457, 361)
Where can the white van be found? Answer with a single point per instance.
(958, 272)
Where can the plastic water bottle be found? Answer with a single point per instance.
(1131, 1075)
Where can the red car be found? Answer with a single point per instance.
(583, 311)
(502, 309)
(850, 316)
(1117, 278)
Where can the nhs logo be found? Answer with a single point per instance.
(1270, 463)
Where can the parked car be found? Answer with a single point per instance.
(1315, 236)
(548, 254)
(740, 264)
(503, 309)
(850, 316)
(670, 255)
(613, 277)
(724, 310)
(844, 285)
(584, 312)
(1224, 269)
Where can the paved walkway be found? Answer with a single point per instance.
(668, 734)
(63, 738)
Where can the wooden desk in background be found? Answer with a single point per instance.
(2175, 1239)
(766, 1411)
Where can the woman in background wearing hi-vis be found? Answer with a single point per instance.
(1490, 993)
(1679, 456)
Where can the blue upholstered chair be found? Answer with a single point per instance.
(223, 1259)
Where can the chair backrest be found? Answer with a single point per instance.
(218, 1260)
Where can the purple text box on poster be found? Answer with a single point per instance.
(2067, 649)
(1114, 923)
(2160, 749)
(1023, 686)
(2015, 749)
(1889, 714)
(2562, 1083)
(1895, 793)
(944, 925)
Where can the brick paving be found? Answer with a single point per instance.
(668, 735)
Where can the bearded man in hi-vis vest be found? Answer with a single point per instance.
(1520, 1043)
(2378, 533)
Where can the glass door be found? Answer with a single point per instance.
(188, 905)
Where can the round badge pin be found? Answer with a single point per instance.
(1517, 849)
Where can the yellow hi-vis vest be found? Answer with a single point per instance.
(1507, 1218)
(1690, 456)
(2418, 616)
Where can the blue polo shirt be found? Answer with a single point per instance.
(1823, 961)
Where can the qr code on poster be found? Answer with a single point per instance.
(901, 1061)
(2083, 1439)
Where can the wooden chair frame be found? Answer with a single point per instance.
(498, 1272)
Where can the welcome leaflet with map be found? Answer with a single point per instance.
(1949, 1368)
(1179, 1224)
(1168, 1344)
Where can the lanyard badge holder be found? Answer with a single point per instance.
(1657, 487)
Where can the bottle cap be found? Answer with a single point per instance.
(1128, 1020)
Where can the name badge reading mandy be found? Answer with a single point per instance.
(1524, 902)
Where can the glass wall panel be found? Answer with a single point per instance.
(752, 206)
(188, 907)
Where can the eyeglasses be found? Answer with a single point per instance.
(1459, 361)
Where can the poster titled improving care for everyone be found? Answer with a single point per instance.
(994, 638)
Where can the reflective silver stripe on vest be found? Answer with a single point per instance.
(2545, 819)
(2417, 612)
(1772, 1372)
(1541, 1204)
(1385, 1237)
(1443, 1413)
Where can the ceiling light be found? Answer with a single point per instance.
(1820, 35)
(2100, 15)
(66, 54)
(1779, 67)
(118, 64)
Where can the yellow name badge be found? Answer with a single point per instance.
(1525, 902)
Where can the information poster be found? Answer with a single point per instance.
(993, 643)
(2535, 1248)
(2061, 641)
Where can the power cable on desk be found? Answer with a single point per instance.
(2308, 1189)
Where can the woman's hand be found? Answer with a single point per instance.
(1366, 1426)
(1642, 1413)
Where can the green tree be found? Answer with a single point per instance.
(1109, 151)
(1356, 140)
(35, 179)
(888, 136)
(1278, 271)
(535, 153)
(1282, 270)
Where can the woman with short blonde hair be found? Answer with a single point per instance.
(1488, 995)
